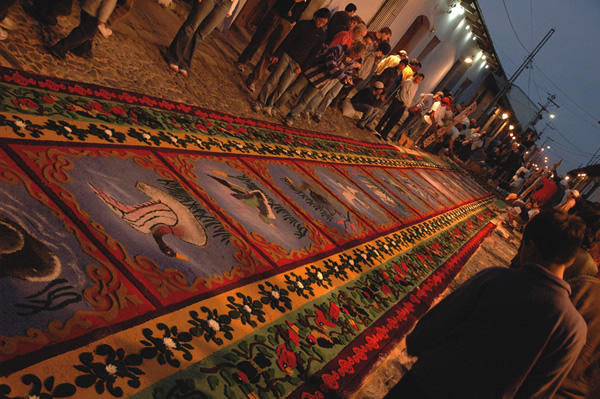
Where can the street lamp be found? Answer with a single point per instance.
(469, 60)
(505, 116)
(511, 127)
(552, 116)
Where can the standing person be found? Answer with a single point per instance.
(47, 11)
(273, 28)
(505, 332)
(298, 50)
(340, 21)
(335, 64)
(79, 41)
(416, 120)
(368, 101)
(202, 20)
(583, 380)
(5, 22)
(403, 98)
(322, 100)
(391, 61)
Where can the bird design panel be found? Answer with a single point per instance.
(142, 212)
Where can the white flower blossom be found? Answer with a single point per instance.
(337, 269)
(351, 261)
(67, 128)
(298, 152)
(146, 136)
(299, 285)
(275, 294)
(364, 256)
(108, 132)
(199, 142)
(169, 343)
(247, 309)
(320, 276)
(386, 247)
(174, 139)
(213, 324)
(111, 368)
(240, 146)
(394, 243)
(21, 124)
(308, 152)
(377, 253)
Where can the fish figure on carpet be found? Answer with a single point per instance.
(160, 216)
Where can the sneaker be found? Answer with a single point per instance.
(240, 67)
(251, 86)
(8, 23)
(255, 106)
(3, 34)
(288, 121)
(183, 72)
(174, 67)
(268, 111)
(104, 30)
(360, 125)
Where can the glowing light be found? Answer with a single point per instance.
(469, 60)
(552, 116)
(468, 27)
(483, 57)
(505, 116)
(487, 67)
(511, 127)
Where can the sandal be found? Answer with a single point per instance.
(174, 67)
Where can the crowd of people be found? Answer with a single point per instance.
(506, 332)
(307, 66)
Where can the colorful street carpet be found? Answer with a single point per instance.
(153, 249)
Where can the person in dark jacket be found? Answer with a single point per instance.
(295, 54)
(273, 29)
(340, 21)
(505, 333)
(368, 101)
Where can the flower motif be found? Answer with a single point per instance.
(68, 129)
(364, 256)
(108, 132)
(320, 275)
(300, 285)
(174, 139)
(146, 136)
(351, 261)
(275, 294)
(211, 325)
(214, 325)
(20, 124)
(111, 368)
(275, 297)
(169, 343)
(247, 308)
(386, 247)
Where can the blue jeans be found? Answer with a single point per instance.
(369, 114)
(283, 75)
(292, 91)
(204, 17)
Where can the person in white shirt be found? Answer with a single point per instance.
(403, 98)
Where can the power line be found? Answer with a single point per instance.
(569, 98)
(513, 28)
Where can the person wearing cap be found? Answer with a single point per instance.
(402, 99)
(368, 101)
(569, 201)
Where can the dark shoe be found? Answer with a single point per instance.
(55, 53)
(316, 118)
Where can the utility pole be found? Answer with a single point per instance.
(544, 108)
(515, 75)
